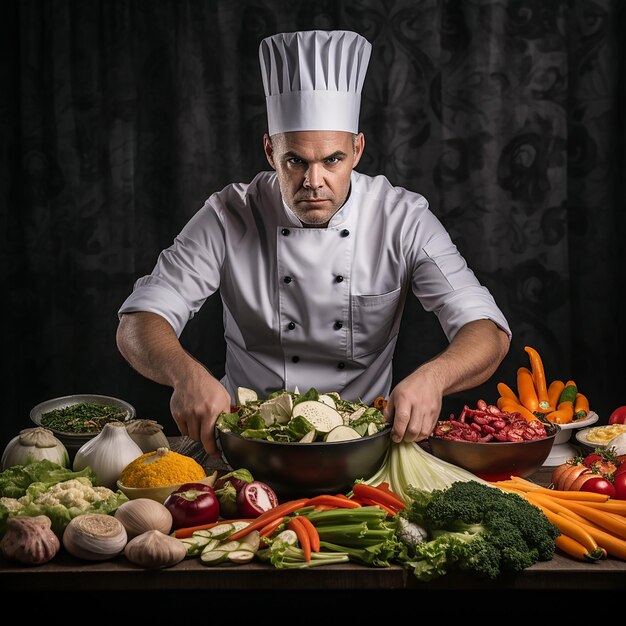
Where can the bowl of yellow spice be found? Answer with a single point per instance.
(158, 473)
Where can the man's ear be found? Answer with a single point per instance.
(359, 147)
(269, 150)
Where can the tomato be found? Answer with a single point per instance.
(618, 416)
(619, 482)
(621, 469)
(192, 504)
(599, 485)
(592, 458)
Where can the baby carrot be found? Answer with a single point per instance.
(568, 527)
(295, 523)
(270, 515)
(314, 537)
(574, 548)
(609, 522)
(338, 502)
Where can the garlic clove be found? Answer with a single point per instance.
(147, 434)
(154, 549)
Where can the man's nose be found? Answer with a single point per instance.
(313, 179)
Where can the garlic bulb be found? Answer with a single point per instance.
(95, 537)
(34, 444)
(143, 514)
(29, 540)
(154, 549)
(147, 434)
(107, 454)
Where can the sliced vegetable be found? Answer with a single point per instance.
(323, 417)
(255, 498)
(341, 433)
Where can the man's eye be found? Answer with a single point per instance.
(333, 160)
(294, 161)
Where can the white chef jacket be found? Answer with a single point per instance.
(313, 307)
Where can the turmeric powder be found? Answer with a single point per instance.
(161, 467)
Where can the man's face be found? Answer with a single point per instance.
(314, 168)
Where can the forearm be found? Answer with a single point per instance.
(151, 347)
(472, 357)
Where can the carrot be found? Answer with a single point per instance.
(554, 506)
(581, 407)
(506, 392)
(568, 527)
(554, 392)
(574, 548)
(337, 502)
(380, 403)
(526, 389)
(187, 531)
(270, 528)
(268, 516)
(613, 545)
(391, 500)
(314, 536)
(387, 509)
(615, 526)
(510, 406)
(295, 523)
(539, 378)
(579, 496)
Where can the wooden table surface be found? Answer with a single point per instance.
(66, 572)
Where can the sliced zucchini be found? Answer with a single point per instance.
(214, 557)
(288, 536)
(245, 395)
(342, 433)
(320, 415)
(221, 531)
(251, 541)
(309, 437)
(240, 556)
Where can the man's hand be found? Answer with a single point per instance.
(414, 405)
(196, 403)
(473, 355)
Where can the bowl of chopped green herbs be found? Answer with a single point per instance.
(76, 419)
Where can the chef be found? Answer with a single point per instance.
(313, 262)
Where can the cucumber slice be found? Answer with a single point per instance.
(251, 541)
(240, 556)
(342, 433)
(372, 429)
(245, 395)
(326, 399)
(357, 413)
(214, 557)
(320, 415)
(309, 437)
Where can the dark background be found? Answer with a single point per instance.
(118, 118)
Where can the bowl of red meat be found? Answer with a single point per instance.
(493, 444)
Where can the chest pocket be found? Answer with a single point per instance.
(375, 320)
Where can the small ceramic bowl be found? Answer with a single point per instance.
(159, 493)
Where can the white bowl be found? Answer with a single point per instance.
(562, 450)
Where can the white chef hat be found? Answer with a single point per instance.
(313, 79)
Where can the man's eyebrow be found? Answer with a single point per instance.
(290, 154)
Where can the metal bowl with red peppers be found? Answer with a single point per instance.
(493, 444)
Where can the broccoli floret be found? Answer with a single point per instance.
(477, 528)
